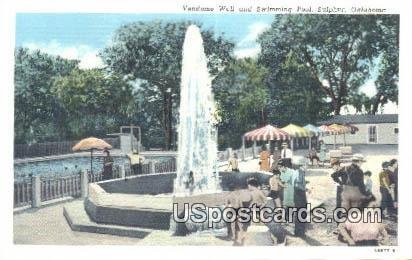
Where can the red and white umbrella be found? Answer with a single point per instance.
(327, 130)
(266, 133)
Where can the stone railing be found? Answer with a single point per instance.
(35, 191)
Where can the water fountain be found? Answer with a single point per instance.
(197, 140)
(143, 203)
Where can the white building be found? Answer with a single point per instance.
(373, 129)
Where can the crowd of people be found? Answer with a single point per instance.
(135, 160)
(286, 189)
(354, 189)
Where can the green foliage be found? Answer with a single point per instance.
(152, 52)
(309, 66)
(242, 97)
(96, 103)
(388, 76)
(38, 115)
(338, 50)
(294, 95)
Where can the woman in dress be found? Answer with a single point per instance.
(322, 152)
(264, 159)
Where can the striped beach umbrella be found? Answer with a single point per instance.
(313, 129)
(266, 133)
(297, 131)
(327, 130)
(340, 129)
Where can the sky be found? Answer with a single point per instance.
(81, 36)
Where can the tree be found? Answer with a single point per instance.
(294, 95)
(95, 102)
(152, 51)
(338, 49)
(38, 116)
(242, 97)
(388, 75)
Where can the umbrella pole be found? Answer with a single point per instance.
(91, 162)
(344, 139)
(334, 141)
(310, 143)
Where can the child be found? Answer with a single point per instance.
(275, 185)
(368, 181)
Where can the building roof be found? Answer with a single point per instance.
(361, 119)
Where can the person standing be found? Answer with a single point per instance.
(135, 162)
(233, 163)
(190, 183)
(275, 187)
(385, 189)
(322, 152)
(393, 177)
(300, 199)
(337, 176)
(313, 157)
(264, 159)
(368, 181)
(286, 153)
(287, 176)
(354, 191)
(107, 165)
(275, 159)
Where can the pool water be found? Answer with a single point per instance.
(71, 165)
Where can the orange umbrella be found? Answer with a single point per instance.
(91, 143)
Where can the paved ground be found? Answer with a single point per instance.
(48, 225)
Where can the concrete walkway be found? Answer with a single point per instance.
(47, 226)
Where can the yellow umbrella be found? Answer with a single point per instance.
(91, 143)
(297, 131)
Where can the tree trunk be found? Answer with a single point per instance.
(336, 106)
(376, 104)
(167, 120)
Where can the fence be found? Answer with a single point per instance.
(52, 148)
(22, 192)
(54, 188)
(37, 190)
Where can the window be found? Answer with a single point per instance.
(372, 134)
(396, 130)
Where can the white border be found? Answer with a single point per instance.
(10, 251)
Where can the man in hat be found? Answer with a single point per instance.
(337, 174)
(385, 189)
(354, 190)
(286, 153)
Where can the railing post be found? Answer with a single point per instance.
(36, 191)
(122, 171)
(84, 186)
(152, 168)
